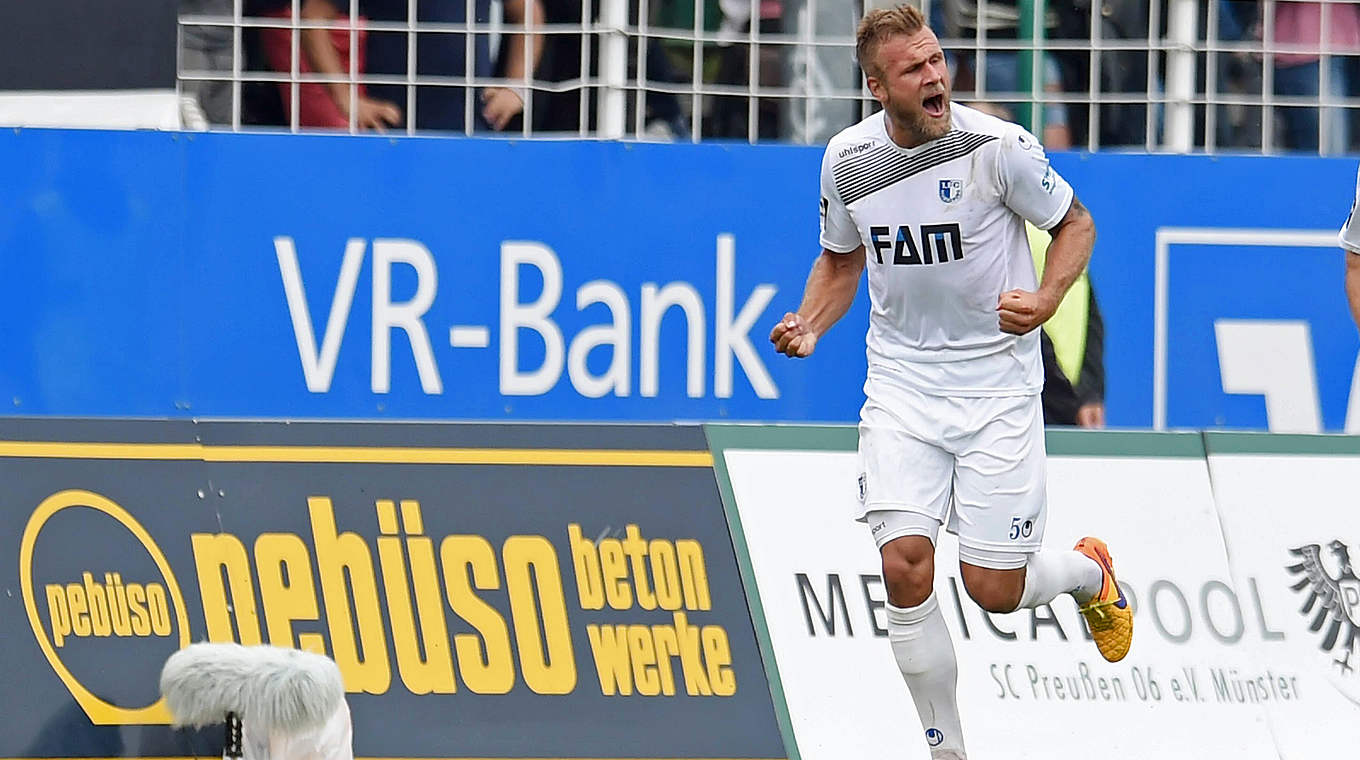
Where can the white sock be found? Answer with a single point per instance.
(925, 655)
(1049, 573)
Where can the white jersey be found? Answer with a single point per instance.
(943, 226)
(1350, 232)
(333, 741)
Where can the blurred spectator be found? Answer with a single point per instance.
(665, 118)
(520, 54)
(1238, 73)
(1072, 344)
(1125, 72)
(1301, 24)
(381, 52)
(208, 49)
(561, 62)
(820, 70)
(1002, 73)
(729, 115)
(325, 51)
(560, 108)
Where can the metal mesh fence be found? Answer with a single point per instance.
(1155, 75)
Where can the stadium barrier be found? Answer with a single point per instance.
(284, 276)
(1235, 550)
(487, 591)
(513, 591)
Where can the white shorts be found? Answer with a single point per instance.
(975, 465)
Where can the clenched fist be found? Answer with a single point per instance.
(793, 337)
(1021, 311)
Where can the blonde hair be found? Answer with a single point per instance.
(880, 24)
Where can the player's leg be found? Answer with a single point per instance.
(920, 641)
(1000, 506)
(904, 493)
(1086, 572)
(1003, 582)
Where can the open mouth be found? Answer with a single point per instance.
(934, 105)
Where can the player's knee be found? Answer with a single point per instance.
(908, 572)
(909, 583)
(995, 600)
(993, 591)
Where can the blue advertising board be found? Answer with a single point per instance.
(279, 276)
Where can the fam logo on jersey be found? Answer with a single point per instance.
(1332, 601)
(951, 190)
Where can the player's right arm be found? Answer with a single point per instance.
(830, 290)
(834, 280)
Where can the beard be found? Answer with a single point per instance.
(920, 127)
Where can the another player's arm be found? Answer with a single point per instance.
(1073, 238)
(1350, 243)
(830, 290)
(1353, 284)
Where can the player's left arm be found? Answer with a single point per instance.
(1074, 236)
(1032, 189)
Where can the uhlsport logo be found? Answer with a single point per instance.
(1332, 606)
(88, 608)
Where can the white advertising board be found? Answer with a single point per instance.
(1291, 522)
(1031, 685)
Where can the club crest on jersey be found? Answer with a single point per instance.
(951, 190)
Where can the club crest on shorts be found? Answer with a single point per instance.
(951, 190)
(862, 478)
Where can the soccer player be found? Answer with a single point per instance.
(1350, 241)
(932, 198)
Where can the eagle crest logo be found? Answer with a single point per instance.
(1332, 600)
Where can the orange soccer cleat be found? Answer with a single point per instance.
(1108, 614)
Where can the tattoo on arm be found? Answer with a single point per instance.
(1077, 211)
